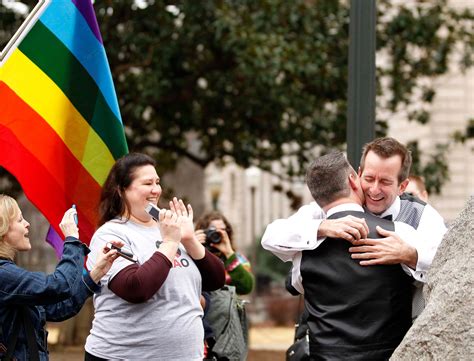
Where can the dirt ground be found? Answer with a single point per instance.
(76, 354)
(266, 344)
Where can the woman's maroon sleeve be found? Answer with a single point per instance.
(137, 284)
(212, 272)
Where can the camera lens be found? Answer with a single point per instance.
(212, 235)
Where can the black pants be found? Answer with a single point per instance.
(89, 357)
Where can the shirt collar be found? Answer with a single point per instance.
(344, 207)
(393, 210)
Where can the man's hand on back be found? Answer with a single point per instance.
(388, 250)
(349, 228)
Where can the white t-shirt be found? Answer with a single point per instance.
(166, 327)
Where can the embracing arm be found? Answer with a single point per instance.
(285, 237)
(416, 249)
(349, 228)
(405, 246)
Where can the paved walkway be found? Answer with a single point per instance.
(271, 338)
(266, 344)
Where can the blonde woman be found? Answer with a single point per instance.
(29, 299)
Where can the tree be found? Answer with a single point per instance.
(11, 18)
(259, 81)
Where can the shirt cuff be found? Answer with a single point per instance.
(89, 283)
(310, 234)
(424, 260)
(307, 236)
(417, 275)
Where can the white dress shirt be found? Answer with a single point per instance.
(431, 227)
(286, 238)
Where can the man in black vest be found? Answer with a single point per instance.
(355, 313)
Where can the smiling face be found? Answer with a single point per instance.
(18, 232)
(379, 181)
(145, 188)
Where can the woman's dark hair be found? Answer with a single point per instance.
(205, 220)
(112, 202)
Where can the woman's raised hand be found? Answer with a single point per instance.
(170, 226)
(68, 225)
(195, 249)
(185, 215)
(105, 259)
(224, 246)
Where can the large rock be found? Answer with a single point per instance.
(445, 329)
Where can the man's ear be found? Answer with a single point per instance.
(353, 182)
(425, 194)
(359, 172)
(403, 185)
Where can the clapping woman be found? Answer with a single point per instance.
(149, 310)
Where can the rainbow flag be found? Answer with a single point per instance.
(60, 124)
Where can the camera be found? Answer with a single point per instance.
(212, 235)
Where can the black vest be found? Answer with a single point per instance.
(355, 312)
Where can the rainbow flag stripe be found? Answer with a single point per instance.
(60, 124)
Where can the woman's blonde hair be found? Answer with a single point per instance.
(9, 210)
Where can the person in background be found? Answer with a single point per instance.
(216, 233)
(149, 309)
(417, 188)
(29, 299)
(237, 266)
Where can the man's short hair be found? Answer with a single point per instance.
(420, 182)
(387, 147)
(327, 178)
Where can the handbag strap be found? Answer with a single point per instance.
(298, 317)
(22, 317)
(12, 340)
(30, 335)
